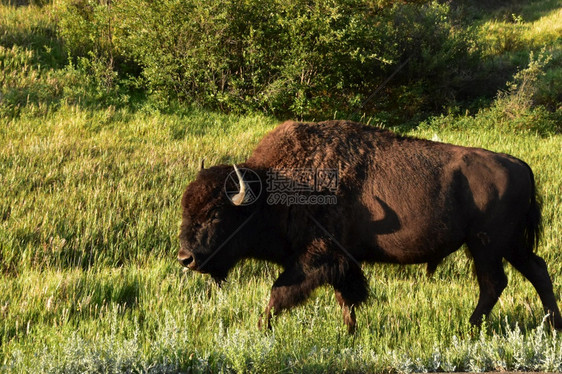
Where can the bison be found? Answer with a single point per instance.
(397, 200)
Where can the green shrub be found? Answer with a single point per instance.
(298, 57)
(86, 26)
(549, 86)
(516, 107)
(520, 107)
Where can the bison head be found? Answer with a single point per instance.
(216, 230)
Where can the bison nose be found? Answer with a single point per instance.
(186, 259)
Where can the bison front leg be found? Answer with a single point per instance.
(351, 290)
(348, 310)
(291, 288)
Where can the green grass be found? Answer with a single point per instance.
(88, 240)
(89, 217)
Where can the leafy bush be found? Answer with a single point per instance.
(516, 107)
(37, 77)
(519, 96)
(523, 106)
(300, 57)
(85, 26)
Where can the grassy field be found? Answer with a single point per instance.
(89, 217)
(90, 282)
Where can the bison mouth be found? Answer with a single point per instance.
(188, 260)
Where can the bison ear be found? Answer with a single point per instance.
(239, 198)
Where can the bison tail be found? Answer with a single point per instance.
(533, 221)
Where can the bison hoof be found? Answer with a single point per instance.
(264, 326)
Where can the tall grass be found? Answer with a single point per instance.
(91, 182)
(87, 237)
(79, 180)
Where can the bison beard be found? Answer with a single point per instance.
(399, 200)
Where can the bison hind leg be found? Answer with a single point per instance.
(432, 266)
(535, 270)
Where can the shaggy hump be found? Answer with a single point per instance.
(327, 144)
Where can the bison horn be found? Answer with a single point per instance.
(202, 164)
(239, 198)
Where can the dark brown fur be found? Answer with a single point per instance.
(399, 200)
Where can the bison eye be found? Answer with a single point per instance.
(214, 216)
